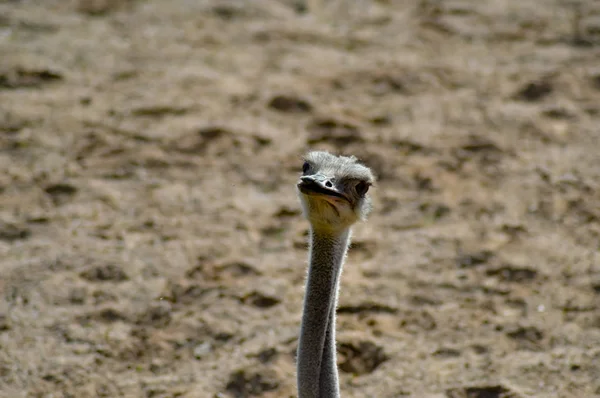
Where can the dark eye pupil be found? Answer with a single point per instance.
(362, 188)
(305, 167)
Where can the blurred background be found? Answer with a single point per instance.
(151, 240)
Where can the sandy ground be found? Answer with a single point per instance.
(151, 242)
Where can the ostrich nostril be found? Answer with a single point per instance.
(328, 184)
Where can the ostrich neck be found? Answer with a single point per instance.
(317, 369)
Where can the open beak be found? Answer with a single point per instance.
(319, 186)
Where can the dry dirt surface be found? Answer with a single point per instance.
(151, 241)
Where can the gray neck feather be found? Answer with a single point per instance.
(317, 368)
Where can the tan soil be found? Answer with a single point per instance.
(151, 243)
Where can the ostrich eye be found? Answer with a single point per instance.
(305, 167)
(362, 188)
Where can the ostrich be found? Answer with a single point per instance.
(333, 193)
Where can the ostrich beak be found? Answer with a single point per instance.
(319, 185)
